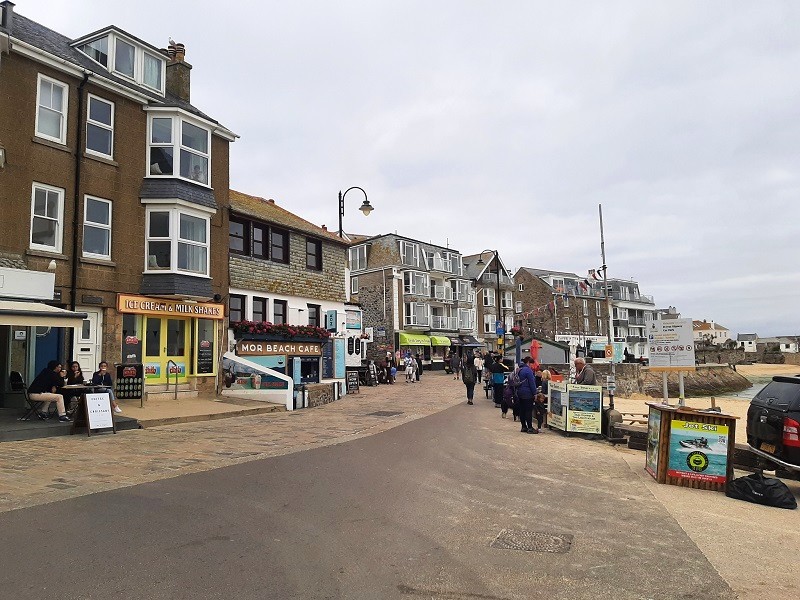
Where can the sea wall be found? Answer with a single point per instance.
(632, 378)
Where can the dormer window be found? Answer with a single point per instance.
(173, 139)
(127, 58)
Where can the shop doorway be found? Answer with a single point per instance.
(166, 339)
(88, 340)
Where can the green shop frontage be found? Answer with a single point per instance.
(434, 348)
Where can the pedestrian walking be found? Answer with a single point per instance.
(419, 365)
(455, 365)
(498, 370)
(526, 392)
(468, 376)
(408, 363)
(478, 364)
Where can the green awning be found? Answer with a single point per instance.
(414, 339)
(440, 340)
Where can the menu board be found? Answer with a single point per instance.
(352, 382)
(327, 360)
(129, 384)
(205, 346)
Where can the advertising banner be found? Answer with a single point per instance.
(556, 406)
(653, 435)
(584, 408)
(698, 451)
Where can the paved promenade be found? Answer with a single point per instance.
(753, 548)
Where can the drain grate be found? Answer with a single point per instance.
(385, 413)
(533, 541)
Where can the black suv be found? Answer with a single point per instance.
(773, 422)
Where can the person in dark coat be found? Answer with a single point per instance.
(468, 376)
(455, 365)
(419, 365)
(498, 370)
(44, 389)
(526, 393)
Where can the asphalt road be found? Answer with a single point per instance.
(407, 513)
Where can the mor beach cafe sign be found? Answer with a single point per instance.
(142, 305)
(262, 348)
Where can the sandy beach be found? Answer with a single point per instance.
(730, 404)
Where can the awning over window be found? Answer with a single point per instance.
(414, 339)
(33, 314)
(455, 340)
(440, 340)
(470, 341)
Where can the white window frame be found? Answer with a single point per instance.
(163, 71)
(62, 138)
(412, 318)
(353, 285)
(489, 322)
(469, 314)
(112, 57)
(416, 283)
(600, 326)
(59, 219)
(176, 143)
(506, 300)
(566, 322)
(586, 323)
(517, 307)
(597, 307)
(521, 287)
(414, 253)
(108, 128)
(95, 225)
(566, 301)
(585, 307)
(488, 297)
(174, 238)
(358, 258)
(558, 285)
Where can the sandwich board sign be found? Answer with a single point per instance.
(94, 412)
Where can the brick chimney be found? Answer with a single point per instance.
(178, 72)
(7, 15)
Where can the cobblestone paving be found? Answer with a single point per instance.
(34, 472)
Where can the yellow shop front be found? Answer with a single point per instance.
(173, 339)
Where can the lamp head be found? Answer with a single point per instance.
(52, 266)
(366, 208)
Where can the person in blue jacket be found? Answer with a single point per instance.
(526, 392)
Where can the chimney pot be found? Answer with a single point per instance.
(7, 20)
(271, 201)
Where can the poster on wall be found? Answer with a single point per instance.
(653, 435)
(205, 346)
(556, 416)
(584, 408)
(698, 451)
(339, 357)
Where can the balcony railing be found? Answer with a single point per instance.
(444, 323)
(634, 339)
(416, 290)
(636, 321)
(468, 297)
(442, 292)
(417, 320)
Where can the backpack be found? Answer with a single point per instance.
(761, 490)
(468, 375)
(514, 381)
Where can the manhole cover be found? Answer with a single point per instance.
(532, 541)
(385, 413)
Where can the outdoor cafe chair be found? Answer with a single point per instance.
(18, 385)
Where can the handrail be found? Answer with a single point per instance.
(177, 372)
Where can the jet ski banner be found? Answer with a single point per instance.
(698, 451)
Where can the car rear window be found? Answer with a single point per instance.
(779, 394)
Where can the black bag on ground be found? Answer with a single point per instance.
(761, 490)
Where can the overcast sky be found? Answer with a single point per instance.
(504, 125)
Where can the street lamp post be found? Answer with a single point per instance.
(365, 208)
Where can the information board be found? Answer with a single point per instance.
(352, 382)
(556, 406)
(130, 382)
(671, 345)
(327, 360)
(584, 408)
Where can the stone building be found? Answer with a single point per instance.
(114, 181)
(415, 295)
(560, 306)
(286, 270)
(632, 312)
(494, 300)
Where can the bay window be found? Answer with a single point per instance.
(174, 139)
(177, 241)
(358, 258)
(416, 283)
(488, 296)
(417, 313)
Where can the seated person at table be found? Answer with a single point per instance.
(74, 377)
(43, 389)
(103, 377)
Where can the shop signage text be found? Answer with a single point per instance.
(155, 306)
(258, 348)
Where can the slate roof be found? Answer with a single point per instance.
(544, 272)
(269, 212)
(58, 45)
(177, 188)
(747, 337)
